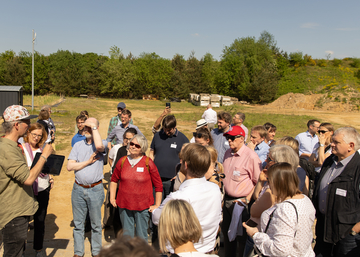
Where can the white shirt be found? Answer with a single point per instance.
(280, 238)
(113, 153)
(205, 198)
(210, 116)
(307, 142)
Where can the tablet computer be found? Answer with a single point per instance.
(52, 166)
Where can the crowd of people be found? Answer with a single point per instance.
(257, 196)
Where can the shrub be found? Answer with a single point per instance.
(336, 62)
(321, 63)
(355, 63)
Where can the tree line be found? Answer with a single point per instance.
(249, 69)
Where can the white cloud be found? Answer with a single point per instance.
(347, 29)
(329, 52)
(309, 25)
(195, 35)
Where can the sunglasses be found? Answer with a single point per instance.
(232, 138)
(136, 145)
(323, 131)
(197, 135)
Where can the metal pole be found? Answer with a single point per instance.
(32, 73)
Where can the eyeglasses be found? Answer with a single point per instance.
(36, 136)
(197, 135)
(232, 138)
(136, 145)
(323, 131)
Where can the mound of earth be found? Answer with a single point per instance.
(312, 102)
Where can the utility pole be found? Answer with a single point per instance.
(32, 72)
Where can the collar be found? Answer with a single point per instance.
(259, 146)
(128, 125)
(192, 182)
(343, 162)
(173, 135)
(240, 151)
(309, 135)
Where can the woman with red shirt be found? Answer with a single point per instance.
(136, 175)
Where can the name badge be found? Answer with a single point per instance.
(173, 146)
(226, 143)
(341, 192)
(140, 169)
(236, 173)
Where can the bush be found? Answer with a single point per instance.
(357, 74)
(321, 63)
(336, 62)
(355, 63)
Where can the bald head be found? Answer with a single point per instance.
(209, 106)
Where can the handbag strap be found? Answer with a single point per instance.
(272, 214)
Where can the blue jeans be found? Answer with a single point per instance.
(130, 218)
(14, 236)
(82, 200)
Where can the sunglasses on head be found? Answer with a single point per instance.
(197, 135)
(232, 138)
(136, 145)
(323, 131)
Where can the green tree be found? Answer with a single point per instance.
(208, 72)
(242, 65)
(178, 80)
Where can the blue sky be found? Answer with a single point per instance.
(170, 27)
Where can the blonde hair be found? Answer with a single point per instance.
(213, 156)
(178, 225)
(290, 141)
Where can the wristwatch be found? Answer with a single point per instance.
(94, 128)
(321, 145)
(353, 233)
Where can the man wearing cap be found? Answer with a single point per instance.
(16, 194)
(220, 143)
(242, 168)
(210, 117)
(199, 124)
(86, 159)
(114, 121)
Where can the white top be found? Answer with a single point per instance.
(195, 254)
(205, 198)
(210, 116)
(306, 142)
(43, 183)
(113, 152)
(279, 239)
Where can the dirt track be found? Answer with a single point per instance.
(58, 235)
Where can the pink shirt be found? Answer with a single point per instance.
(242, 170)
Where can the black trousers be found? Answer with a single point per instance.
(39, 218)
(348, 246)
(14, 236)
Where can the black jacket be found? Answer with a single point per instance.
(342, 213)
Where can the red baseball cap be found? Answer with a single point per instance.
(235, 131)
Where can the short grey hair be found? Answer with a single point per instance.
(241, 116)
(142, 142)
(350, 135)
(8, 126)
(284, 153)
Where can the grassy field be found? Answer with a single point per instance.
(146, 112)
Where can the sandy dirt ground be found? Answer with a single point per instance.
(59, 228)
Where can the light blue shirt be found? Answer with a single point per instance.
(119, 131)
(220, 143)
(306, 142)
(262, 151)
(92, 173)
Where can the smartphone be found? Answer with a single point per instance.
(251, 223)
(168, 105)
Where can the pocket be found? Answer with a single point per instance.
(239, 174)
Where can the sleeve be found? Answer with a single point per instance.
(298, 139)
(155, 177)
(15, 166)
(111, 136)
(111, 127)
(139, 132)
(157, 212)
(73, 153)
(152, 146)
(113, 153)
(115, 177)
(257, 165)
(279, 239)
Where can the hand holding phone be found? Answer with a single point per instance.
(251, 223)
(168, 105)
